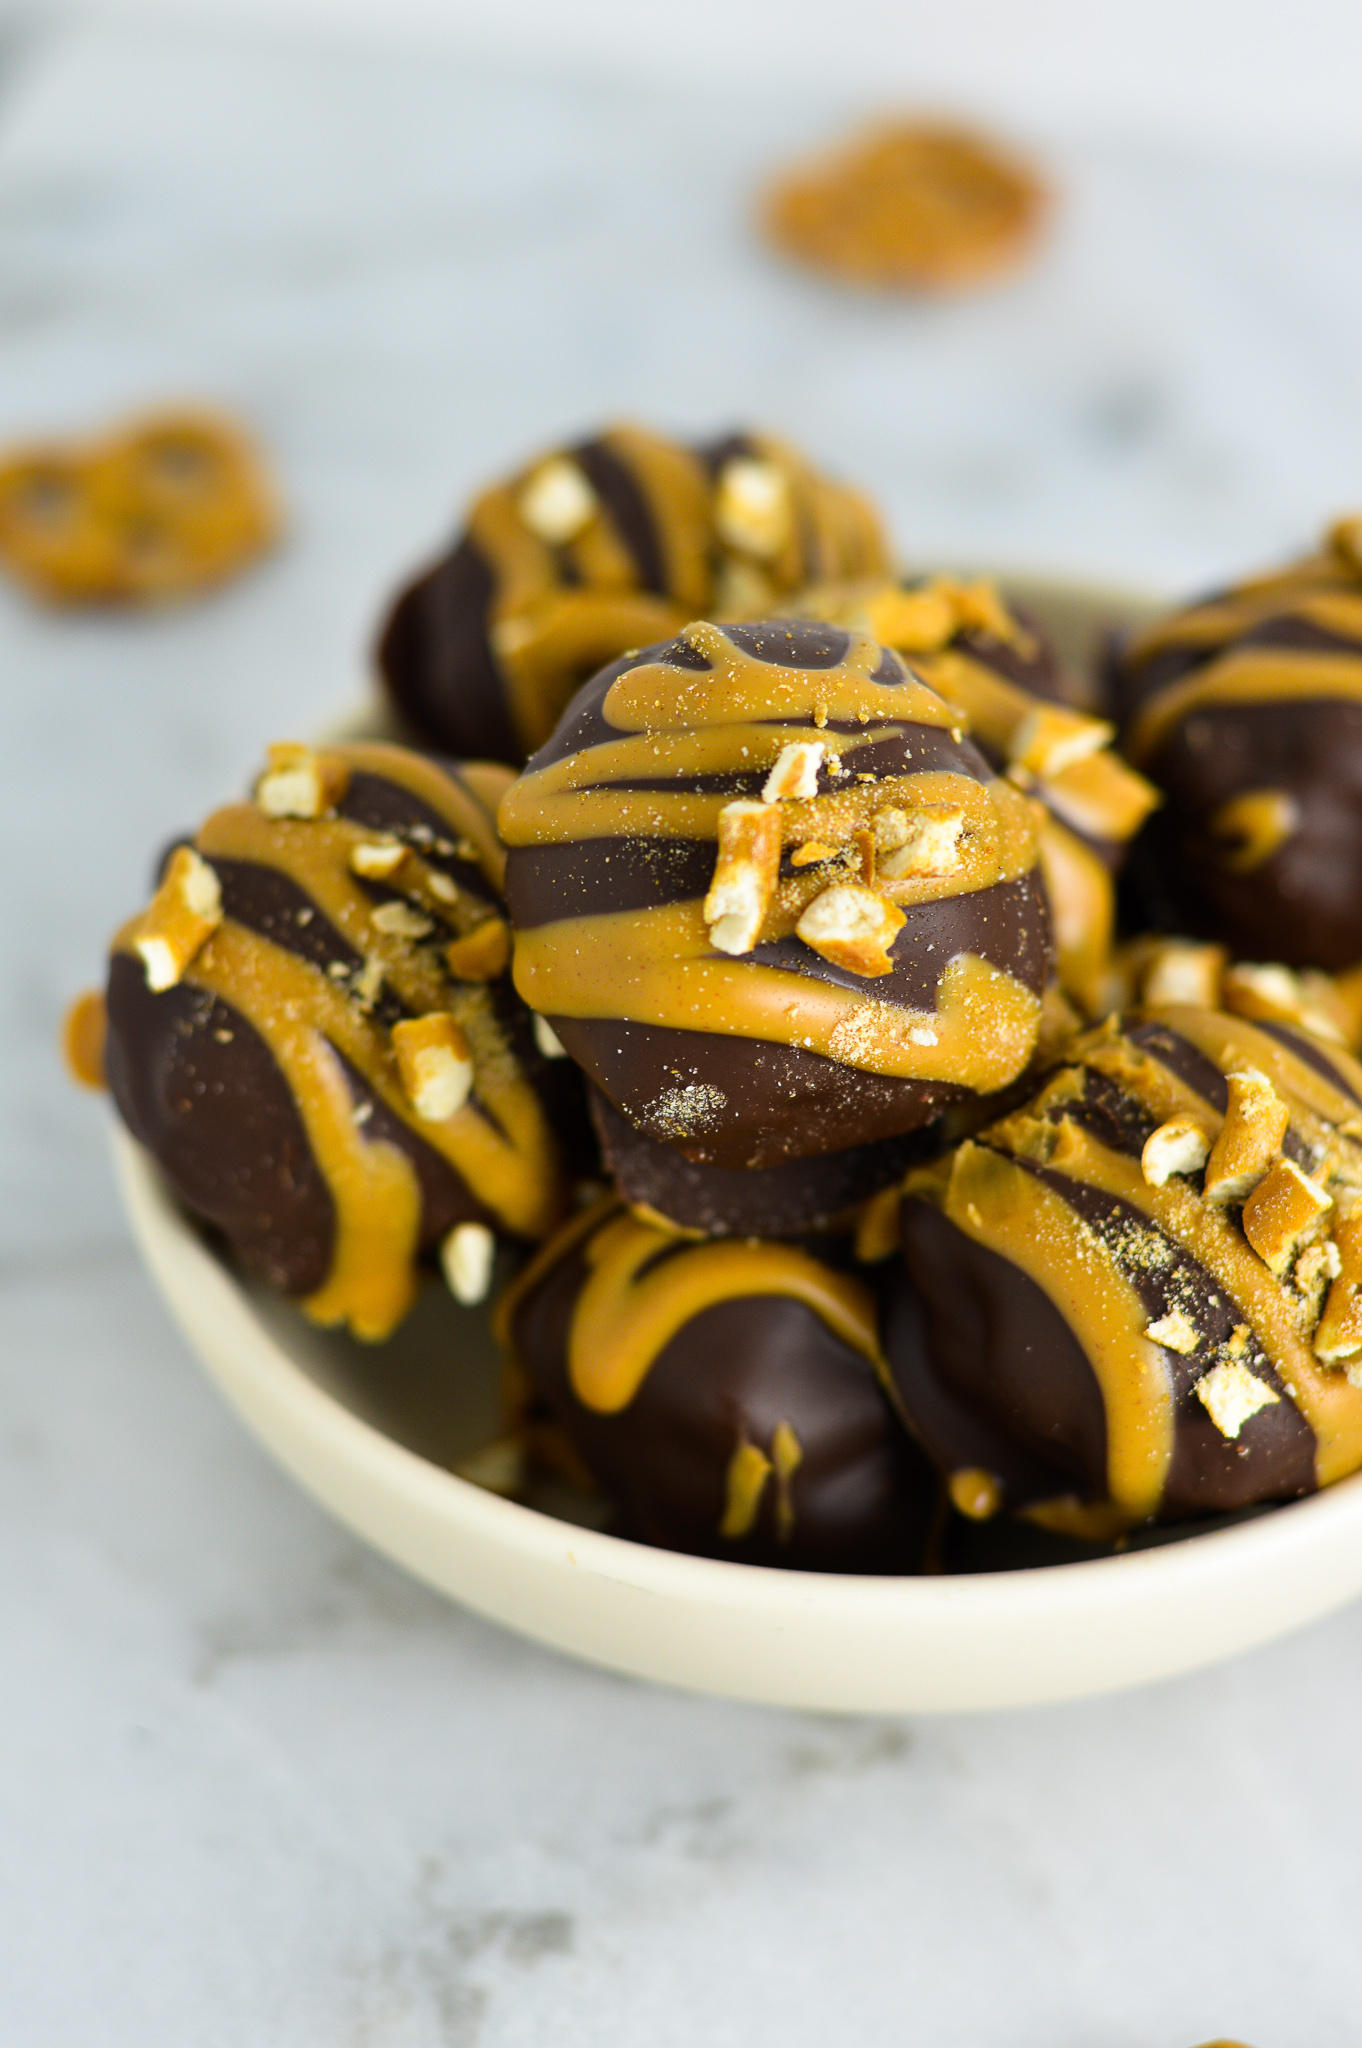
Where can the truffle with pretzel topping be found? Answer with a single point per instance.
(1246, 709)
(726, 1396)
(771, 899)
(598, 548)
(312, 1029)
(1138, 1296)
(1025, 716)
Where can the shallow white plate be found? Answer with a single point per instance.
(373, 1433)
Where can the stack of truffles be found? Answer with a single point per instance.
(730, 976)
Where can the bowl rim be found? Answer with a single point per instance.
(828, 1641)
(350, 1457)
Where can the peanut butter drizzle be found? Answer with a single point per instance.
(659, 966)
(305, 1018)
(1326, 1400)
(1321, 589)
(1002, 1206)
(1082, 912)
(1244, 675)
(1232, 1043)
(1331, 1406)
(563, 610)
(980, 1034)
(625, 1316)
(1251, 827)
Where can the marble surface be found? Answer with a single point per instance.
(254, 1785)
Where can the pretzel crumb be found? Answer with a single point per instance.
(1284, 1206)
(180, 919)
(909, 844)
(796, 771)
(467, 1256)
(298, 782)
(852, 927)
(1250, 1137)
(483, 954)
(435, 1064)
(1181, 1145)
(752, 507)
(1232, 1395)
(1175, 1332)
(377, 859)
(745, 874)
(557, 502)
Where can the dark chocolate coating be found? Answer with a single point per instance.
(995, 1377)
(862, 1494)
(1303, 904)
(218, 1117)
(200, 1089)
(438, 665)
(803, 1196)
(783, 1102)
(435, 650)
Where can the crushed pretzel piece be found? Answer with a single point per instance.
(1284, 1206)
(298, 782)
(853, 927)
(1250, 1137)
(401, 920)
(557, 502)
(1051, 738)
(1102, 797)
(1266, 991)
(745, 874)
(1317, 1266)
(1232, 1395)
(922, 842)
(1338, 1334)
(467, 1256)
(796, 771)
(1175, 1331)
(913, 621)
(435, 1063)
(483, 954)
(180, 919)
(1183, 971)
(377, 859)
(811, 852)
(550, 1045)
(752, 507)
(1181, 1145)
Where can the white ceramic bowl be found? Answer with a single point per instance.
(373, 1434)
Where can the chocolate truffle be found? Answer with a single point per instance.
(595, 549)
(1137, 1297)
(820, 1193)
(313, 1031)
(726, 1396)
(1246, 709)
(771, 899)
(1027, 716)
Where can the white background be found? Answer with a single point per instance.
(1275, 77)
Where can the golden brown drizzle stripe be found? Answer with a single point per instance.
(734, 715)
(1003, 1191)
(498, 1143)
(649, 557)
